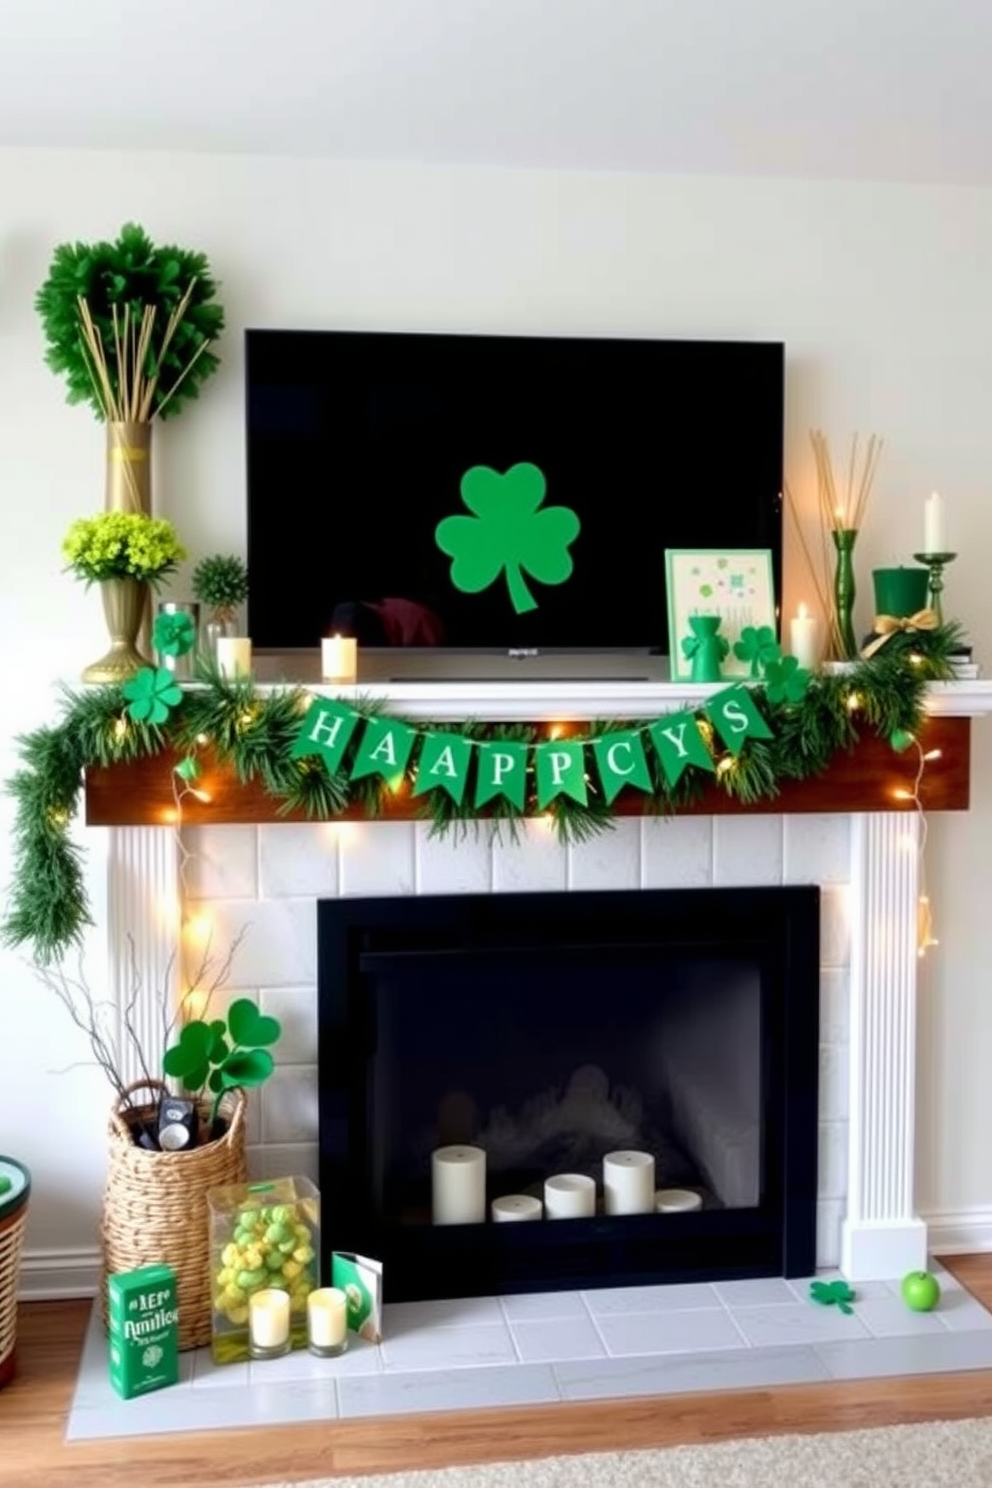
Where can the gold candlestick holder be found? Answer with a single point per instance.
(936, 563)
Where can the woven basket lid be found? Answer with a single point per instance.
(18, 1178)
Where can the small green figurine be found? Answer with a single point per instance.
(705, 648)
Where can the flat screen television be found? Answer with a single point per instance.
(570, 463)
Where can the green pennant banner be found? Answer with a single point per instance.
(734, 714)
(679, 743)
(444, 761)
(326, 731)
(383, 749)
(501, 771)
(621, 761)
(561, 771)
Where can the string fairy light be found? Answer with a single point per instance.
(925, 938)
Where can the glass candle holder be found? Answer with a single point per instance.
(327, 1322)
(268, 1324)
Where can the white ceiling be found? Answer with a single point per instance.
(883, 89)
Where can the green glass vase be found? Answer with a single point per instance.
(844, 591)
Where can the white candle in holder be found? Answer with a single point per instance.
(570, 1196)
(234, 656)
(805, 640)
(327, 1321)
(268, 1321)
(515, 1206)
(458, 1185)
(628, 1182)
(676, 1200)
(339, 658)
(934, 536)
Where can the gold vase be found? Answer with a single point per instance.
(129, 468)
(124, 603)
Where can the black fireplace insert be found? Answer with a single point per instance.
(548, 1031)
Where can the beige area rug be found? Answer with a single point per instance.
(945, 1454)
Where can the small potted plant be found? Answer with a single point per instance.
(220, 583)
(126, 553)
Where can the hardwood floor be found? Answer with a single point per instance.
(33, 1410)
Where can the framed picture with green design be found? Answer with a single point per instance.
(735, 584)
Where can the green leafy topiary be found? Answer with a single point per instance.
(130, 325)
(221, 583)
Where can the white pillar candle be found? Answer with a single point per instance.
(234, 656)
(339, 658)
(515, 1206)
(628, 1182)
(805, 639)
(327, 1320)
(676, 1200)
(458, 1185)
(934, 536)
(268, 1320)
(570, 1196)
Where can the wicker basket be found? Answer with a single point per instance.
(13, 1221)
(155, 1204)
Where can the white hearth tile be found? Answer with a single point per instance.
(376, 858)
(530, 1307)
(302, 1367)
(930, 1353)
(817, 849)
(684, 1332)
(223, 862)
(289, 1160)
(461, 1389)
(889, 1317)
(457, 863)
(535, 863)
(760, 1291)
(832, 1140)
(161, 1412)
(555, 1339)
(448, 1348)
(399, 1318)
(835, 926)
(210, 1376)
(253, 1118)
(829, 1218)
(834, 1090)
(959, 1312)
(729, 1369)
(296, 1009)
(676, 852)
(835, 1005)
(280, 943)
(747, 850)
(298, 858)
(610, 860)
(289, 1104)
(282, 1404)
(615, 1301)
(804, 1323)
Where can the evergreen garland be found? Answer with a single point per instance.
(253, 735)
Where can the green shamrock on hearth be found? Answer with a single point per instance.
(786, 681)
(508, 533)
(174, 634)
(153, 693)
(833, 1293)
(758, 646)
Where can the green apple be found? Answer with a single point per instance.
(920, 1291)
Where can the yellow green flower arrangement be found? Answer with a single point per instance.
(122, 545)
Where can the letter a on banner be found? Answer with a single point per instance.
(383, 749)
(679, 743)
(501, 771)
(734, 714)
(325, 731)
(444, 761)
(621, 760)
(561, 771)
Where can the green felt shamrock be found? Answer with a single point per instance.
(224, 1054)
(174, 634)
(786, 681)
(758, 646)
(508, 533)
(830, 1293)
(153, 693)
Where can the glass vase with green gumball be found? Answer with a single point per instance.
(220, 584)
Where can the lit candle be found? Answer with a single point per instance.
(339, 658)
(327, 1321)
(628, 1183)
(268, 1322)
(515, 1207)
(934, 537)
(458, 1185)
(570, 1196)
(234, 656)
(804, 639)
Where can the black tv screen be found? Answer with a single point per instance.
(570, 464)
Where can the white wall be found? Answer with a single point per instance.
(881, 294)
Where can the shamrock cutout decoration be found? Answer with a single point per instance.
(174, 634)
(508, 533)
(223, 1055)
(153, 693)
(831, 1293)
(758, 646)
(786, 681)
